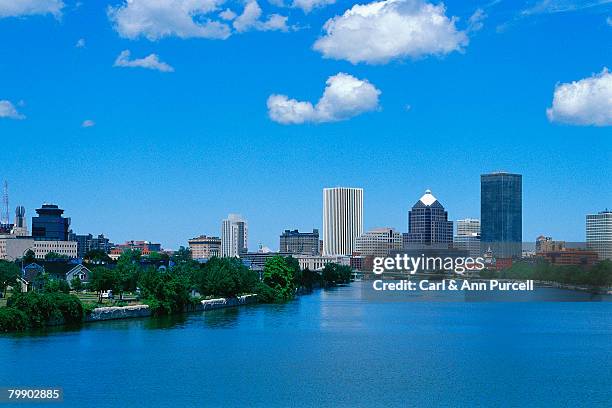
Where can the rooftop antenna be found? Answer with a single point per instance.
(5, 205)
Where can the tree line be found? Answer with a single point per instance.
(166, 287)
(598, 275)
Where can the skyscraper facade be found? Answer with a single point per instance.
(295, 242)
(342, 219)
(428, 224)
(468, 236)
(49, 224)
(599, 233)
(501, 214)
(234, 236)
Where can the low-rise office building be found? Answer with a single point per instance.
(204, 247)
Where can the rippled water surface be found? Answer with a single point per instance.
(330, 348)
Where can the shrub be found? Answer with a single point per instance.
(12, 319)
(44, 308)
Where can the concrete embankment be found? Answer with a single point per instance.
(128, 312)
(112, 313)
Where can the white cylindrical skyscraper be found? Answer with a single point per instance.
(342, 219)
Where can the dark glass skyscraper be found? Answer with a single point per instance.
(49, 224)
(428, 224)
(501, 214)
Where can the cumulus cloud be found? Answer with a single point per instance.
(344, 97)
(150, 62)
(88, 123)
(609, 21)
(16, 8)
(584, 102)
(391, 29)
(154, 19)
(250, 19)
(309, 5)
(80, 43)
(227, 14)
(8, 110)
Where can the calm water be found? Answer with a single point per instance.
(330, 348)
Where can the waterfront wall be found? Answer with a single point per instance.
(220, 303)
(112, 313)
(128, 312)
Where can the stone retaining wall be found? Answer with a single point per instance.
(128, 312)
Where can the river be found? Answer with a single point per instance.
(329, 348)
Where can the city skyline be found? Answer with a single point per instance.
(160, 132)
(252, 246)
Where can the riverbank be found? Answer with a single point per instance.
(136, 311)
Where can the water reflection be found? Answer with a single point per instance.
(221, 318)
(166, 322)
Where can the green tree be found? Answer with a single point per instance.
(278, 275)
(126, 272)
(183, 255)
(29, 257)
(166, 292)
(57, 285)
(334, 274)
(157, 256)
(97, 256)
(76, 283)
(294, 264)
(219, 277)
(53, 256)
(102, 279)
(9, 272)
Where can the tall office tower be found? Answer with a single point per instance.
(428, 224)
(49, 224)
(468, 236)
(20, 228)
(342, 219)
(378, 242)
(234, 236)
(501, 214)
(295, 242)
(599, 233)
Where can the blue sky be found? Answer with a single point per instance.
(172, 153)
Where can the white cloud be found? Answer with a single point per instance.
(561, 6)
(88, 123)
(250, 20)
(344, 97)
(80, 43)
(475, 22)
(156, 19)
(584, 102)
(392, 29)
(227, 14)
(8, 110)
(150, 62)
(609, 21)
(16, 8)
(308, 5)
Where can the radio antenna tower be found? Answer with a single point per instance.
(5, 205)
